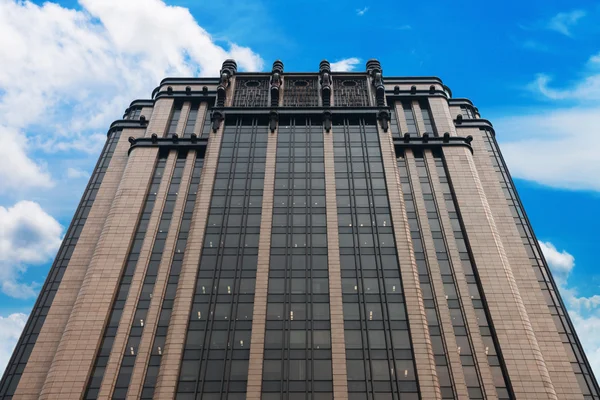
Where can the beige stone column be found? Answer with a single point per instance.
(160, 117)
(171, 359)
(259, 314)
(419, 118)
(526, 367)
(479, 353)
(455, 365)
(338, 344)
(183, 117)
(553, 350)
(118, 349)
(417, 320)
(200, 119)
(151, 321)
(49, 337)
(68, 375)
(400, 118)
(440, 113)
(147, 112)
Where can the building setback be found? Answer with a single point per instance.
(300, 236)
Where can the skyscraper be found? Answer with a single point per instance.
(300, 236)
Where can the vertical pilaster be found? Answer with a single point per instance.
(43, 353)
(400, 118)
(200, 119)
(183, 117)
(436, 281)
(68, 374)
(171, 359)
(145, 347)
(338, 346)
(160, 117)
(479, 353)
(120, 341)
(524, 361)
(419, 118)
(259, 315)
(417, 320)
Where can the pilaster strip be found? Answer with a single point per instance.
(183, 117)
(120, 341)
(524, 361)
(69, 372)
(338, 344)
(259, 314)
(456, 369)
(200, 119)
(145, 346)
(43, 353)
(400, 118)
(160, 117)
(171, 358)
(471, 322)
(419, 118)
(417, 320)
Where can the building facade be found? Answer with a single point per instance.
(300, 236)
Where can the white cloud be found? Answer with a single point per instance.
(557, 148)
(556, 145)
(66, 71)
(564, 21)
(561, 263)
(10, 330)
(28, 236)
(345, 65)
(584, 311)
(75, 173)
(361, 11)
(17, 170)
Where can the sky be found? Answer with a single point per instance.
(68, 69)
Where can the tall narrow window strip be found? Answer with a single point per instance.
(160, 336)
(110, 331)
(379, 353)
(175, 115)
(216, 350)
(438, 340)
(143, 303)
(457, 313)
(297, 355)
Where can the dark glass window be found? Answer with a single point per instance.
(218, 335)
(298, 338)
(124, 284)
(375, 326)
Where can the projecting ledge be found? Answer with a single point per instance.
(436, 142)
(172, 143)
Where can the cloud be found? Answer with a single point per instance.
(561, 263)
(361, 11)
(10, 330)
(564, 21)
(555, 145)
(75, 173)
(29, 236)
(555, 148)
(17, 170)
(584, 311)
(67, 72)
(345, 65)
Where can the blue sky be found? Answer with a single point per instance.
(70, 68)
